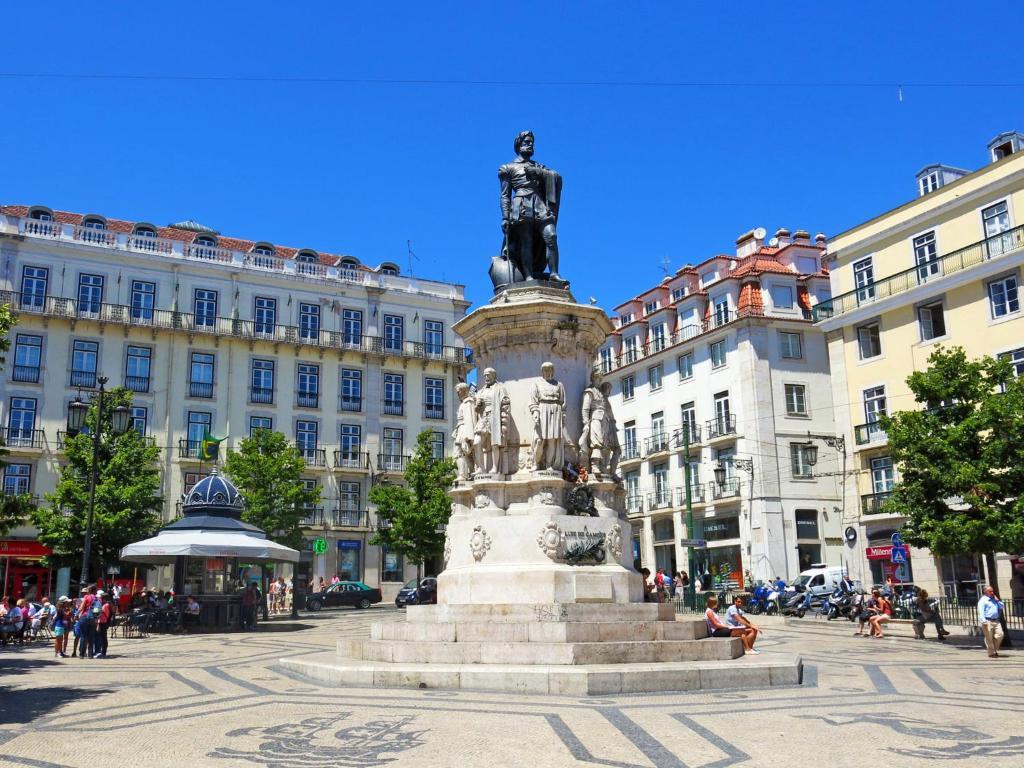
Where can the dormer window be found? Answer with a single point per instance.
(388, 269)
(307, 257)
(263, 249)
(349, 263)
(626, 318)
(94, 222)
(144, 231)
(708, 277)
(651, 307)
(678, 294)
(206, 240)
(40, 214)
(929, 183)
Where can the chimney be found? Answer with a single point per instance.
(802, 236)
(783, 236)
(820, 239)
(750, 242)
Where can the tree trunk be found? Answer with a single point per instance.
(993, 580)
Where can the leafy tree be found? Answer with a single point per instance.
(268, 471)
(410, 514)
(128, 500)
(961, 475)
(14, 510)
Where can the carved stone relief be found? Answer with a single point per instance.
(479, 542)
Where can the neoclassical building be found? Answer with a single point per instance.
(221, 335)
(718, 366)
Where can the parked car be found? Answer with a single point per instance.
(408, 595)
(353, 593)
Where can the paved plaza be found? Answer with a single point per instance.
(211, 700)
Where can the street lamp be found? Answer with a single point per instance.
(810, 453)
(119, 419)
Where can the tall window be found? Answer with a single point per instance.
(394, 332)
(143, 300)
(265, 315)
(996, 219)
(200, 383)
(798, 461)
(659, 440)
(654, 376)
(393, 568)
(351, 445)
(633, 501)
(658, 337)
(352, 327)
(723, 416)
(21, 422)
(139, 419)
(308, 392)
(262, 390)
(34, 282)
(796, 403)
(926, 256)
(28, 357)
(17, 479)
(688, 415)
(205, 308)
(931, 321)
(1016, 358)
(869, 341)
(1003, 296)
(883, 478)
(630, 448)
(606, 360)
(394, 394)
(349, 498)
(433, 337)
(437, 445)
(137, 367)
(721, 310)
(718, 354)
(662, 495)
(792, 345)
(628, 387)
(864, 279)
(874, 406)
(199, 423)
(90, 295)
(84, 357)
(309, 321)
(306, 437)
(685, 364)
(632, 348)
(392, 442)
(433, 398)
(929, 183)
(257, 423)
(351, 389)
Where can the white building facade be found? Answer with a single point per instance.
(720, 367)
(222, 336)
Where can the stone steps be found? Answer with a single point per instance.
(540, 632)
(546, 653)
(514, 613)
(747, 672)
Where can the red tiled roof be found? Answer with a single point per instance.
(803, 298)
(751, 301)
(171, 233)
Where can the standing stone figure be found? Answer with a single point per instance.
(462, 435)
(492, 419)
(530, 195)
(600, 433)
(547, 406)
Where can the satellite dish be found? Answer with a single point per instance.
(760, 233)
(774, 242)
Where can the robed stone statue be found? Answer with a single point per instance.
(530, 196)
(547, 407)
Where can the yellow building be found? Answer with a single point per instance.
(944, 268)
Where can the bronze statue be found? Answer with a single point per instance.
(530, 196)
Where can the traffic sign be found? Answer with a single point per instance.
(899, 554)
(897, 539)
(694, 543)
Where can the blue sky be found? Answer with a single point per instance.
(650, 172)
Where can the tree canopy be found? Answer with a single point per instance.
(128, 500)
(409, 516)
(961, 485)
(267, 469)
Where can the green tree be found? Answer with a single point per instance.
(14, 509)
(268, 471)
(409, 515)
(128, 500)
(961, 484)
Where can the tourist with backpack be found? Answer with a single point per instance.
(86, 623)
(104, 612)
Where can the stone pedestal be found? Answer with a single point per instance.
(536, 596)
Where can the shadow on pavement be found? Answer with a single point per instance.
(25, 705)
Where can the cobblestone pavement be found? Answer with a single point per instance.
(224, 701)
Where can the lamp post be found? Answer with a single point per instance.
(119, 418)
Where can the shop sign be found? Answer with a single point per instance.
(348, 544)
(883, 553)
(16, 548)
(319, 546)
(718, 529)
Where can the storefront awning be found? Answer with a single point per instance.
(169, 544)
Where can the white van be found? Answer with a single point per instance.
(820, 579)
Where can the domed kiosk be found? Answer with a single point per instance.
(211, 547)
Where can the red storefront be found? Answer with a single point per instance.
(882, 567)
(23, 575)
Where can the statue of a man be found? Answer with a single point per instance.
(547, 406)
(492, 419)
(599, 443)
(530, 194)
(462, 435)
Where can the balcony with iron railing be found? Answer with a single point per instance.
(22, 438)
(727, 490)
(203, 389)
(630, 452)
(659, 499)
(634, 505)
(350, 518)
(721, 427)
(314, 457)
(871, 433)
(433, 410)
(261, 395)
(656, 444)
(190, 449)
(871, 503)
(312, 517)
(138, 384)
(688, 434)
(351, 460)
(202, 323)
(307, 399)
(932, 272)
(28, 374)
(83, 379)
(392, 407)
(696, 494)
(392, 463)
(349, 403)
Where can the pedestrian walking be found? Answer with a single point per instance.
(250, 598)
(990, 609)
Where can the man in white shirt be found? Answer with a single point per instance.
(990, 608)
(735, 617)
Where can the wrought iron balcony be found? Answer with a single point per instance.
(656, 443)
(84, 379)
(202, 389)
(349, 403)
(634, 505)
(18, 437)
(25, 373)
(137, 383)
(351, 460)
(659, 499)
(696, 494)
(956, 261)
(314, 457)
(729, 489)
(722, 426)
(630, 452)
(392, 463)
(190, 449)
(312, 517)
(433, 410)
(261, 395)
(686, 434)
(392, 407)
(871, 503)
(307, 399)
(351, 518)
(863, 434)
